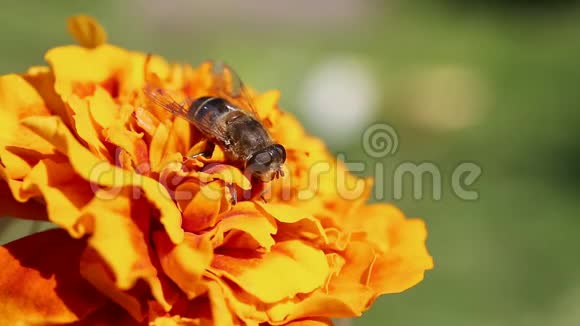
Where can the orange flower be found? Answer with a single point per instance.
(149, 236)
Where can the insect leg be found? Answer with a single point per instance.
(207, 153)
(233, 192)
(262, 195)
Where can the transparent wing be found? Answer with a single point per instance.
(162, 99)
(228, 85)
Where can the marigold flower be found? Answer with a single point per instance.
(149, 236)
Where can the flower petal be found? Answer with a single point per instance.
(96, 272)
(80, 71)
(40, 281)
(87, 31)
(19, 100)
(85, 126)
(296, 222)
(246, 218)
(64, 192)
(9, 206)
(185, 262)
(119, 228)
(42, 80)
(220, 311)
(375, 225)
(311, 322)
(266, 102)
(132, 144)
(404, 265)
(290, 268)
(203, 203)
(92, 169)
(344, 301)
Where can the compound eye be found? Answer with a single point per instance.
(263, 158)
(281, 151)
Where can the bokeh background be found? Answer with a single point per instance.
(491, 82)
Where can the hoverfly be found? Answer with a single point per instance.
(237, 130)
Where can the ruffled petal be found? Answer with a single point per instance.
(9, 206)
(161, 236)
(201, 204)
(119, 228)
(98, 172)
(290, 268)
(80, 71)
(185, 262)
(245, 218)
(294, 222)
(404, 265)
(42, 80)
(64, 192)
(20, 148)
(374, 228)
(40, 281)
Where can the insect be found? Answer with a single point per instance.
(237, 130)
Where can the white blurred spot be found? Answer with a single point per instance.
(338, 99)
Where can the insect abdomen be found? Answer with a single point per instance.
(208, 110)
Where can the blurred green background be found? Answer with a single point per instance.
(491, 82)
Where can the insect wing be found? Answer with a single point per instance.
(161, 98)
(228, 85)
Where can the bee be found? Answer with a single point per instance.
(237, 130)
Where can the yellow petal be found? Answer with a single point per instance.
(404, 265)
(102, 173)
(266, 102)
(96, 272)
(87, 31)
(185, 262)
(85, 126)
(343, 301)
(81, 71)
(290, 268)
(119, 228)
(42, 80)
(19, 100)
(246, 218)
(63, 191)
(374, 227)
(296, 220)
(203, 203)
(132, 144)
(220, 311)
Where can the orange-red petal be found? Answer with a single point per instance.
(40, 281)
